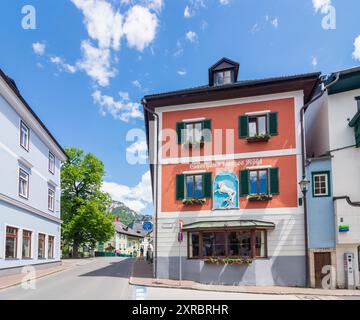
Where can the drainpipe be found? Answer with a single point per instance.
(303, 160)
(144, 104)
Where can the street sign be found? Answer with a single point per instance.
(181, 233)
(147, 226)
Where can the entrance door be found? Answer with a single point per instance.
(321, 259)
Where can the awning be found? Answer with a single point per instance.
(229, 224)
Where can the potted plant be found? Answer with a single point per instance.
(229, 261)
(260, 197)
(193, 202)
(259, 138)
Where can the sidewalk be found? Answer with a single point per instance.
(15, 279)
(142, 275)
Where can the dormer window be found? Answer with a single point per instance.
(223, 72)
(223, 77)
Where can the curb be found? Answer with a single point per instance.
(201, 287)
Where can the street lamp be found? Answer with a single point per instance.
(304, 185)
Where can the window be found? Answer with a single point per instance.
(257, 126)
(26, 245)
(232, 243)
(194, 186)
(259, 182)
(51, 199)
(41, 246)
(11, 243)
(51, 163)
(321, 184)
(23, 184)
(24, 135)
(193, 132)
(51, 247)
(223, 77)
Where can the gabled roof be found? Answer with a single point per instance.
(123, 229)
(349, 79)
(12, 85)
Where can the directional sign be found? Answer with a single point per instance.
(147, 226)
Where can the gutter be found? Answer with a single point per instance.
(348, 200)
(144, 104)
(303, 161)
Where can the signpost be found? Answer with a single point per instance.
(180, 239)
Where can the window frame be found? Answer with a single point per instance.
(216, 72)
(27, 146)
(194, 175)
(16, 237)
(328, 188)
(193, 123)
(258, 181)
(52, 256)
(40, 236)
(30, 240)
(226, 232)
(24, 196)
(51, 191)
(266, 115)
(51, 155)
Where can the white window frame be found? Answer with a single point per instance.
(192, 137)
(27, 180)
(51, 162)
(24, 125)
(326, 184)
(51, 199)
(223, 72)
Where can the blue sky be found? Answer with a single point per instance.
(86, 66)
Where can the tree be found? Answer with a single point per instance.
(86, 219)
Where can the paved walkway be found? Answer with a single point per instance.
(15, 279)
(142, 275)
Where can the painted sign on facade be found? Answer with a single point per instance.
(226, 191)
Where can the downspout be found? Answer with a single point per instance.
(144, 104)
(303, 160)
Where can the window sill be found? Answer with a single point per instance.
(259, 197)
(11, 259)
(193, 202)
(262, 138)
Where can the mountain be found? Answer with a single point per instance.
(126, 215)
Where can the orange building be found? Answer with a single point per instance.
(226, 160)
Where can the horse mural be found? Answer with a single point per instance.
(225, 191)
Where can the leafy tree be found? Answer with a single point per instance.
(84, 212)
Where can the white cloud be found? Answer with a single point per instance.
(322, 5)
(356, 52)
(136, 198)
(103, 22)
(122, 109)
(136, 84)
(96, 62)
(191, 36)
(39, 48)
(138, 150)
(156, 5)
(62, 65)
(224, 2)
(275, 22)
(187, 13)
(314, 61)
(182, 72)
(140, 27)
(255, 28)
(179, 49)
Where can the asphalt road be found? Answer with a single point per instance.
(108, 278)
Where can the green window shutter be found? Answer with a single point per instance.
(243, 127)
(180, 128)
(206, 125)
(274, 180)
(180, 186)
(273, 123)
(244, 183)
(357, 134)
(207, 183)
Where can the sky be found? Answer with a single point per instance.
(84, 65)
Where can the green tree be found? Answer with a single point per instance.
(86, 219)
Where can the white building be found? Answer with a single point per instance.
(30, 159)
(333, 128)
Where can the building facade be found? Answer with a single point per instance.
(333, 129)
(29, 185)
(229, 167)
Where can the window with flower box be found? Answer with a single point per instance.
(197, 186)
(258, 127)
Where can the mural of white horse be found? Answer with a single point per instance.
(222, 188)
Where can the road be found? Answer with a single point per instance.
(108, 278)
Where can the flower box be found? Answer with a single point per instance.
(229, 261)
(260, 197)
(259, 138)
(193, 202)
